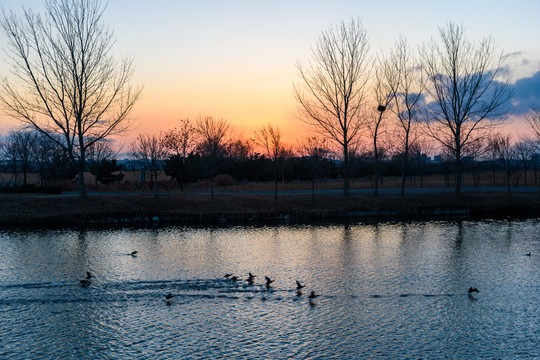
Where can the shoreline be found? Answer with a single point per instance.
(198, 209)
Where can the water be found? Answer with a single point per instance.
(386, 291)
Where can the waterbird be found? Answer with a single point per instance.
(528, 254)
(134, 253)
(299, 286)
(85, 282)
(472, 290)
(251, 277)
(233, 278)
(268, 280)
(169, 296)
(226, 276)
(312, 295)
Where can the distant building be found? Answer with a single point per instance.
(129, 164)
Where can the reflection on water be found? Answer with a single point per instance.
(386, 291)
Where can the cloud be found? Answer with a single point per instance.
(526, 93)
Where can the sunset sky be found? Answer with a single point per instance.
(236, 59)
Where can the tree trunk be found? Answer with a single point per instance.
(275, 183)
(313, 188)
(82, 187)
(346, 175)
(212, 187)
(459, 175)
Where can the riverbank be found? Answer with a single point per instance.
(192, 208)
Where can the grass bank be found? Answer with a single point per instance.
(190, 208)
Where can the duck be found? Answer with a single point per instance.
(85, 282)
(473, 290)
(299, 286)
(528, 254)
(250, 278)
(133, 253)
(268, 281)
(169, 296)
(312, 295)
(226, 276)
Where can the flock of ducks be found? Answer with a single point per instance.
(250, 280)
(268, 285)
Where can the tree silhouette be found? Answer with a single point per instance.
(332, 89)
(469, 87)
(215, 135)
(269, 137)
(66, 84)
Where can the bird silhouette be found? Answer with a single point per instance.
(226, 276)
(169, 296)
(528, 254)
(299, 286)
(268, 281)
(312, 295)
(134, 253)
(250, 278)
(85, 282)
(472, 290)
(233, 278)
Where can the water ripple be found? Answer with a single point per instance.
(378, 284)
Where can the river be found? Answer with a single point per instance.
(385, 290)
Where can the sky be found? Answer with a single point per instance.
(237, 59)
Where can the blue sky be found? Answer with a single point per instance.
(236, 59)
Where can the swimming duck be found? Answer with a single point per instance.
(85, 282)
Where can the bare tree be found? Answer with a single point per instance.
(504, 154)
(533, 119)
(10, 155)
(333, 88)
(65, 79)
(316, 149)
(420, 149)
(387, 79)
(215, 135)
(469, 90)
(408, 101)
(150, 152)
(241, 149)
(19, 147)
(43, 148)
(269, 138)
(524, 152)
(180, 141)
(100, 151)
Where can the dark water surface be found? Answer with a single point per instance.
(387, 291)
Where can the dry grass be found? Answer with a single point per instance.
(132, 182)
(65, 209)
